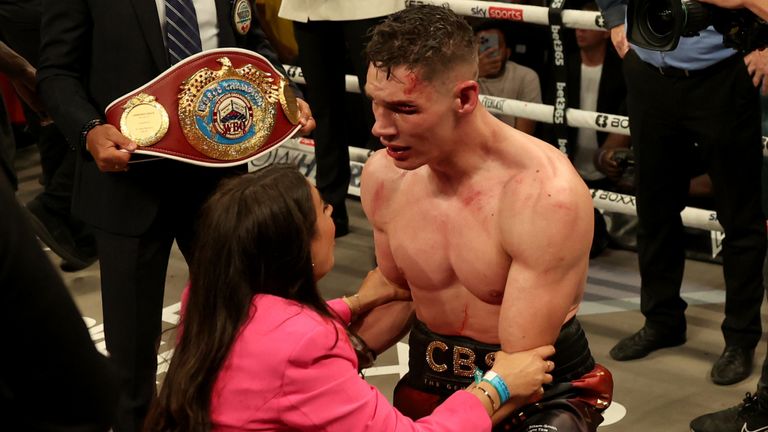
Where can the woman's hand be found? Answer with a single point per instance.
(525, 373)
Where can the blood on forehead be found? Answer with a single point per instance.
(413, 83)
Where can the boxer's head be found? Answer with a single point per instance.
(429, 40)
(422, 81)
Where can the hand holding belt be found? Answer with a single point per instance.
(217, 108)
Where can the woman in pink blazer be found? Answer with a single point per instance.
(260, 349)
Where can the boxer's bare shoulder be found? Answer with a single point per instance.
(380, 181)
(546, 198)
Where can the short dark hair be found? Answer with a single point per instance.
(425, 39)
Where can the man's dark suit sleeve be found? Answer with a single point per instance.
(64, 56)
(51, 376)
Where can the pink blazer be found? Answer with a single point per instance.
(291, 369)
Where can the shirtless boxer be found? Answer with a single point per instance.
(490, 228)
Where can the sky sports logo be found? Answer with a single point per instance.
(505, 13)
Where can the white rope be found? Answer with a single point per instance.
(534, 111)
(626, 204)
(603, 200)
(589, 20)
(543, 113)
(603, 122)
(301, 151)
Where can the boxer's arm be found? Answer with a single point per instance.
(385, 325)
(547, 230)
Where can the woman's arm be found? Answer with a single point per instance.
(322, 391)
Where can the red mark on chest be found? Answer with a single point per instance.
(471, 198)
(465, 320)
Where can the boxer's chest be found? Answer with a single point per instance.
(439, 243)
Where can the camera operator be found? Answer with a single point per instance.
(752, 413)
(698, 95)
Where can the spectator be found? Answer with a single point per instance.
(501, 77)
(595, 83)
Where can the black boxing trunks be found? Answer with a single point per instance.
(439, 365)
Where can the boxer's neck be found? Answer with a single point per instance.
(472, 146)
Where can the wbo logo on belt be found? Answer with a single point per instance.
(217, 108)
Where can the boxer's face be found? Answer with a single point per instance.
(413, 116)
(323, 241)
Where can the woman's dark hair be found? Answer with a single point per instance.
(253, 236)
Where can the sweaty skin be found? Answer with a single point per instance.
(489, 228)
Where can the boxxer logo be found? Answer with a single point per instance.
(616, 122)
(599, 21)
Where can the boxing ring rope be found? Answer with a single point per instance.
(535, 111)
(603, 122)
(300, 151)
(611, 123)
(571, 18)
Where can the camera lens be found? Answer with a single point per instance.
(659, 18)
(659, 24)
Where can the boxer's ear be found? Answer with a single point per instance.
(466, 95)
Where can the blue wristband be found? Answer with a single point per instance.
(478, 375)
(498, 384)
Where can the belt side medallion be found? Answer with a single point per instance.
(288, 102)
(144, 120)
(228, 114)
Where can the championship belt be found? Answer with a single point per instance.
(218, 108)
